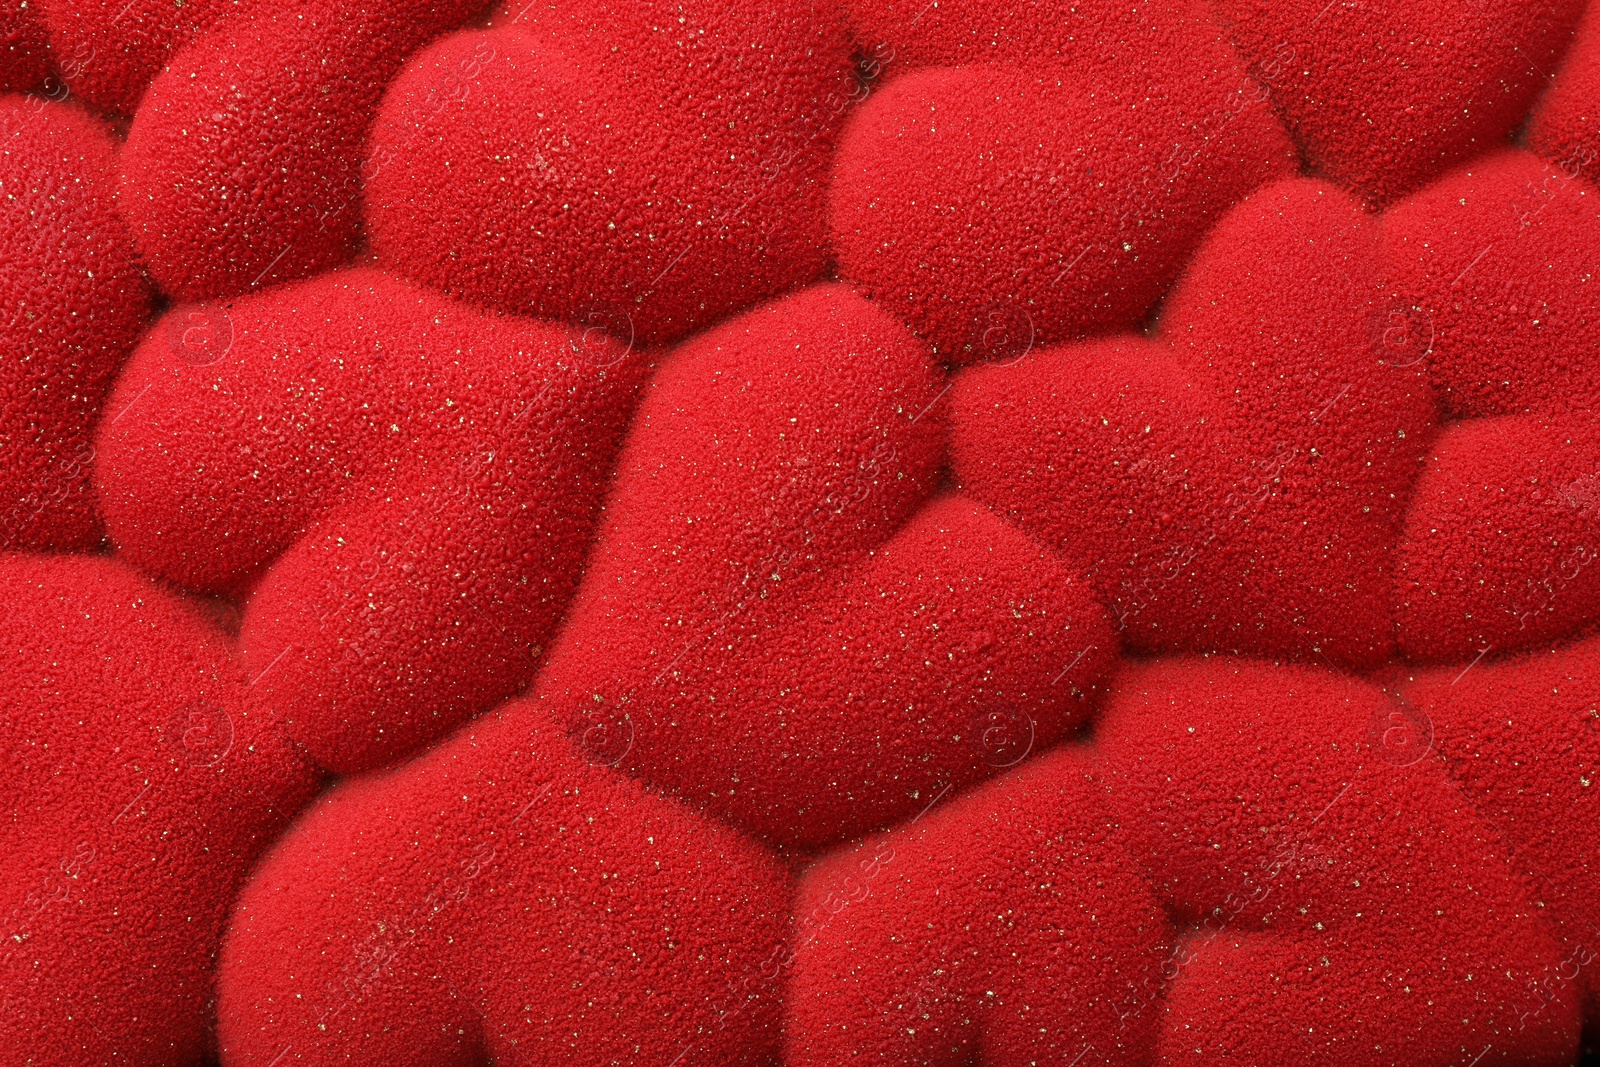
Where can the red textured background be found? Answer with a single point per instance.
(847, 532)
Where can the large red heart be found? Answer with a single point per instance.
(1522, 739)
(1490, 267)
(973, 197)
(1235, 481)
(1335, 891)
(1007, 926)
(1311, 861)
(69, 273)
(406, 487)
(779, 623)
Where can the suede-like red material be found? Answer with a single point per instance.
(893, 532)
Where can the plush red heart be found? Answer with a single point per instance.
(1501, 538)
(1490, 269)
(1522, 739)
(780, 621)
(1036, 200)
(1383, 96)
(1235, 481)
(1566, 123)
(139, 787)
(69, 274)
(648, 167)
(244, 163)
(1340, 901)
(404, 486)
(500, 900)
(1006, 926)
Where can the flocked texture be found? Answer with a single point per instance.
(1500, 537)
(1236, 482)
(1385, 96)
(24, 47)
(139, 787)
(418, 481)
(1342, 902)
(1566, 123)
(109, 50)
(1094, 36)
(846, 639)
(772, 511)
(503, 900)
(998, 207)
(1522, 739)
(72, 303)
(645, 167)
(1491, 270)
(243, 165)
(1007, 926)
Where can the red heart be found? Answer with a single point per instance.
(780, 621)
(1330, 883)
(965, 198)
(244, 163)
(68, 269)
(1501, 538)
(1384, 96)
(1522, 740)
(1234, 482)
(405, 485)
(140, 788)
(1007, 926)
(495, 901)
(1491, 268)
(651, 164)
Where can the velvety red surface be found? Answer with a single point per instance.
(857, 531)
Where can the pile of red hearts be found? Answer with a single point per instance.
(854, 531)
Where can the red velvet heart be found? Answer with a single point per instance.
(654, 164)
(780, 621)
(1522, 739)
(1501, 538)
(1234, 482)
(1343, 902)
(1036, 198)
(500, 900)
(244, 163)
(1490, 269)
(1383, 95)
(70, 275)
(139, 788)
(405, 485)
(1006, 926)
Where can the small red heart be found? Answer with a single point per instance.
(650, 163)
(1384, 96)
(1233, 482)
